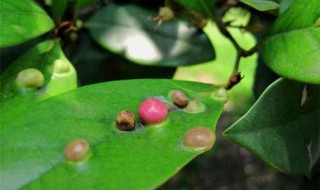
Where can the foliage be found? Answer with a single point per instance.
(126, 40)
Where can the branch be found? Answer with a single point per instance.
(235, 77)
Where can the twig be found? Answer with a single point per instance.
(235, 77)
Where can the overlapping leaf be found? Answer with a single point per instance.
(280, 126)
(295, 26)
(261, 5)
(47, 57)
(22, 21)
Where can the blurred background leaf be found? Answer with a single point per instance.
(127, 31)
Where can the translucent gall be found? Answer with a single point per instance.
(61, 67)
(76, 150)
(179, 98)
(194, 106)
(152, 111)
(221, 95)
(125, 121)
(199, 138)
(30, 78)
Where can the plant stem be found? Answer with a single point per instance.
(239, 50)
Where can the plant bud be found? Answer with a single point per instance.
(166, 13)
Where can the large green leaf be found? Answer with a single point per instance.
(261, 5)
(22, 21)
(33, 142)
(292, 47)
(126, 30)
(47, 57)
(280, 126)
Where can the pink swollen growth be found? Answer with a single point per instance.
(152, 111)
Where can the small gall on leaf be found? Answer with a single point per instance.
(152, 111)
(220, 94)
(76, 150)
(30, 78)
(125, 121)
(60, 67)
(179, 98)
(194, 106)
(199, 138)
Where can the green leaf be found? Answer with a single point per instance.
(47, 57)
(261, 5)
(22, 21)
(33, 142)
(126, 30)
(284, 51)
(58, 9)
(204, 7)
(276, 126)
(285, 4)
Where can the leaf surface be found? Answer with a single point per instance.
(22, 21)
(292, 47)
(32, 146)
(126, 30)
(279, 127)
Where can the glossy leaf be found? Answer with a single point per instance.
(278, 126)
(32, 146)
(280, 50)
(47, 57)
(261, 5)
(204, 7)
(126, 30)
(94, 64)
(22, 21)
